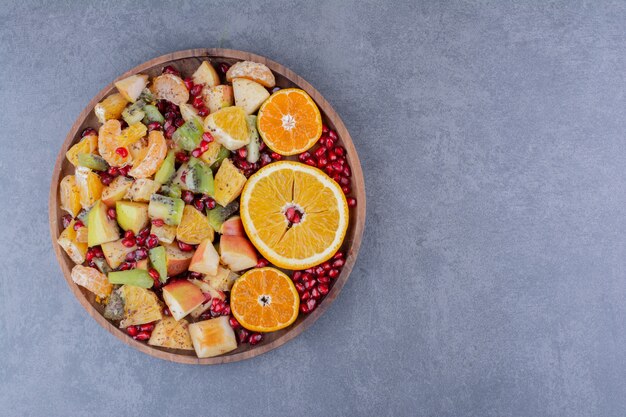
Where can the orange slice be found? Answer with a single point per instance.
(194, 227)
(70, 195)
(229, 127)
(156, 153)
(110, 108)
(88, 144)
(108, 143)
(140, 306)
(289, 121)
(286, 187)
(264, 300)
(89, 186)
(132, 134)
(92, 279)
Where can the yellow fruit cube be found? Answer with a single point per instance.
(70, 195)
(229, 182)
(68, 241)
(89, 186)
(132, 134)
(110, 108)
(88, 144)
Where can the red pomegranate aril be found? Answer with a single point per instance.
(128, 234)
(332, 156)
(166, 311)
(203, 111)
(234, 323)
(125, 266)
(311, 162)
(89, 255)
(320, 271)
(172, 108)
(346, 189)
(336, 177)
(98, 252)
(309, 271)
(351, 202)
(197, 102)
(195, 90)
(305, 296)
(315, 293)
(204, 145)
(243, 335)
(112, 213)
(182, 156)
(179, 122)
(169, 132)
(124, 170)
(140, 240)
(300, 287)
(333, 273)
(339, 255)
(152, 241)
(128, 242)
(105, 178)
(158, 222)
(132, 330)
(131, 256)
(332, 134)
(113, 171)
(297, 275)
(339, 151)
(308, 276)
(147, 327)
(276, 156)
(142, 336)
(311, 304)
(323, 289)
(188, 83)
(170, 121)
(184, 246)
(224, 67)
(297, 217)
(324, 129)
(210, 204)
(78, 224)
(255, 338)
(122, 151)
(326, 266)
(303, 308)
(304, 156)
(262, 263)
(88, 132)
(310, 284)
(226, 311)
(265, 159)
(171, 70)
(339, 263)
(336, 166)
(154, 126)
(242, 153)
(198, 204)
(206, 136)
(342, 161)
(323, 280)
(66, 220)
(322, 162)
(187, 196)
(161, 105)
(344, 181)
(154, 274)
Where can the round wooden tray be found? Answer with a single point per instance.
(187, 61)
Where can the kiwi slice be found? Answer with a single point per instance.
(166, 208)
(158, 260)
(152, 114)
(134, 113)
(114, 309)
(91, 161)
(219, 214)
(167, 169)
(201, 176)
(171, 190)
(188, 136)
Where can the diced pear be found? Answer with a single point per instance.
(142, 189)
(131, 87)
(206, 74)
(115, 252)
(249, 95)
(132, 215)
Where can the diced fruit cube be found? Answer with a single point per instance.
(140, 306)
(197, 312)
(88, 144)
(237, 253)
(158, 259)
(132, 134)
(89, 186)
(165, 233)
(172, 334)
(254, 71)
(142, 190)
(171, 190)
(218, 97)
(219, 214)
(137, 277)
(131, 87)
(194, 227)
(201, 176)
(116, 190)
(82, 234)
(189, 112)
(68, 241)
(115, 252)
(223, 280)
(249, 95)
(131, 215)
(229, 182)
(92, 161)
(177, 260)
(188, 136)
(167, 169)
(233, 227)
(70, 195)
(206, 74)
(110, 108)
(171, 88)
(229, 127)
(101, 228)
(92, 279)
(205, 260)
(170, 210)
(182, 297)
(212, 337)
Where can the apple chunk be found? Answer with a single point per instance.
(100, 228)
(233, 227)
(115, 252)
(182, 297)
(116, 190)
(177, 260)
(212, 337)
(132, 216)
(218, 97)
(249, 95)
(237, 253)
(132, 86)
(206, 74)
(206, 259)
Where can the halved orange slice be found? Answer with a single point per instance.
(264, 300)
(294, 214)
(289, 121)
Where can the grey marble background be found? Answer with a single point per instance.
(491, 280)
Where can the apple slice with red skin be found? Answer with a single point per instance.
(206, 259)
(237, 252)
(182, 297)
(177, 260)
(233, 227)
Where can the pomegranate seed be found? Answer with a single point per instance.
(324, 129)
(158, 222)
(336, 166)
(303, 308)
(196, 153)
(234, 323)
(140, 240)
(344, 181)
(66, 220)
(305, 296)
(243, 335)
(351, 202)
(112, 213)
(323, 280)
(339, 255)
(187, 196)
(132, 330)
(242, 153)
(184, 246)
(152, 241)
(311, 304)
(339, 263)
(89, 255)
(315, 293)
(125, 266)
(300, 287)
(173, 108)
(206, 136)
(311, 162)
(197, 102)
(170, 70)
(148, 327)
(326, 266)
(128, 234)
(169, 132)
(105, 178)
(161, 105)
(310, 284)
(262, 263)
(154, 274)
(304, 156)
(323, 289)
(113, 171)
(170, 116)
(196, 90)
(319, 152)
(203, 111)
(188, 83)
(122, 151)
(88, 132)
(276, 156)
(154, 126)
(309, 271)
(322, 162)
(98, 252)
(255, 338)
(224, 68)
(142, 336)
(179, 122)
(336, 177)
(346, 189)
(210, 203)
(297, 275)
(347, 172)
(182, 156)
(333, 273)
(262, 146)
(198, 204)
(204, 145)
(265, 159)
(332, 156)
(332, 134)
(290, 213)
(78, 224)
(128, 242)
(124, 170)
(131, 256)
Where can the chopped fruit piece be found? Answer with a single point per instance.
(70, 195)
(82, 235)
(237, 253)
(249, 95)
(88, 144)
(115, 252)
(91, 161)
(206, 75)
(132, 134)
(69, 242)
(153, 114)
(194, 227)
(315, 200)
(207, 289)
(132, 216)
(167, 169)
(156, 153)
(182, 297)
(136, 277)
(171, 88)
(189, 113)
(116, 190)
(138, 150)
(89, 186)
(218, 97)
(101, 228)
(233, 227)
(158, 259)
(170, 210)
(253, 71)
(229, 182)
(205, 260)
(219, 214)
(188, 136)
(140, 306)
(114, 309)
(165, 233)
(143, 265)
(197, 312)
(172, 334)
(177, 260)
(110, 108)
(252, 149)
(108, 144)
(172, 190)
(199, 177)
(212, 153)
(212, 337)
(264, 300)
(142, 190)
(223, 280)
(131, 87)
(134, 113)
(92, 279)
(229, 127)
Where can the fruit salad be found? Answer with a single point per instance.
(207, 209)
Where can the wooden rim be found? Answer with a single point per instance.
(351, 244)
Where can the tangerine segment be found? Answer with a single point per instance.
(264, 300)
(108, 143)
(289, 121)
(324, 214)
(92, 279)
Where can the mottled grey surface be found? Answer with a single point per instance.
(491, 280)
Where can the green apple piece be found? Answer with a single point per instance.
(131, 215)
(167, 169)
(219, 214)
(188, 136)
(170, 210)
(255, 141)
(91, 161)
(101, 229)
(158, 259)
(202, 177)
(137, 277)
(153, 114)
